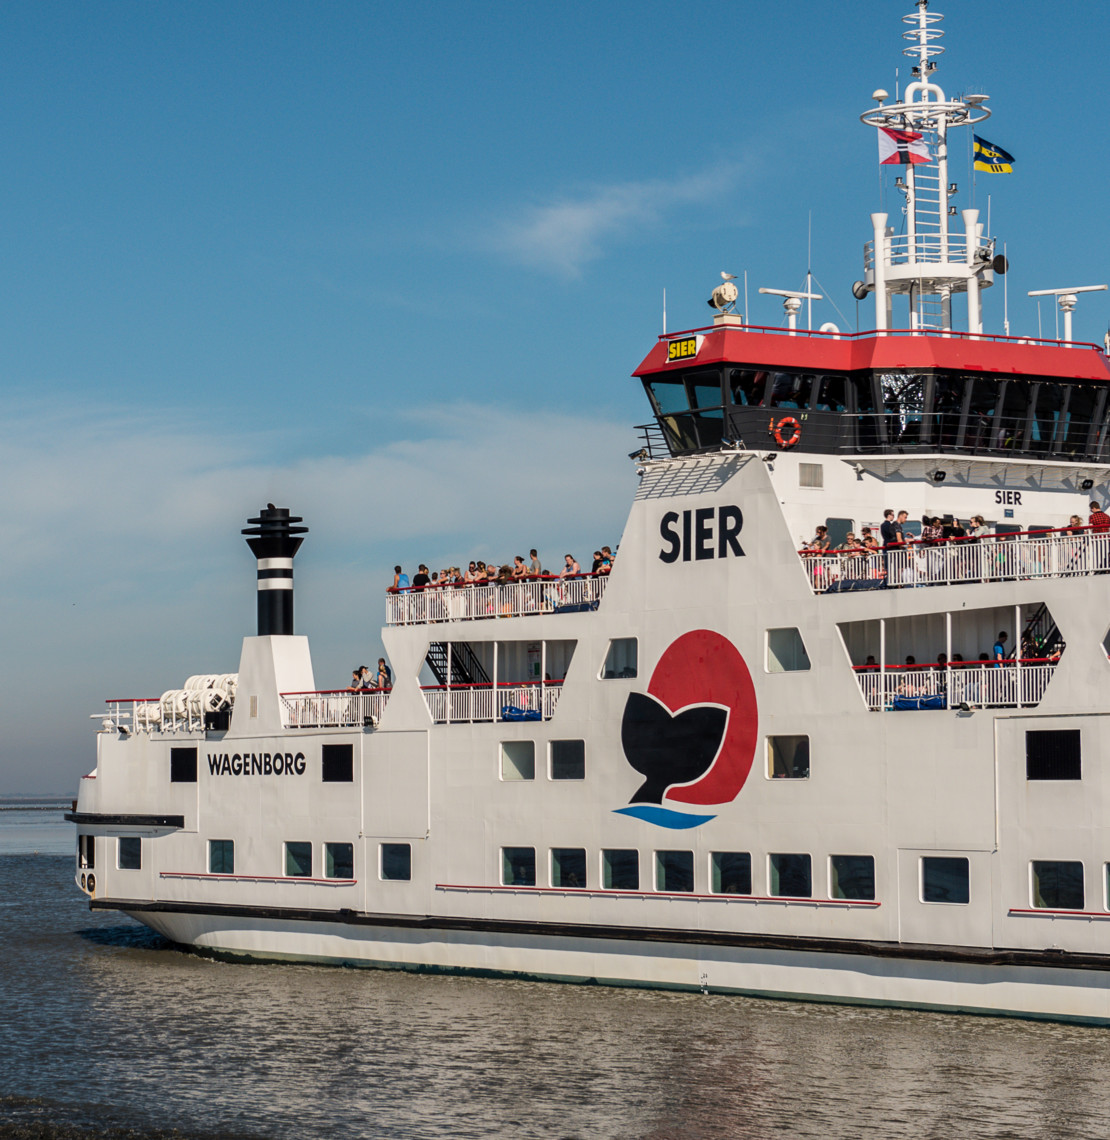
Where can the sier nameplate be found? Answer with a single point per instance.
(682, 349)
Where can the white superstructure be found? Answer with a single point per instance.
(713, 768)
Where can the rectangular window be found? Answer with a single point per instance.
(130, 853)
(674, 870)
(221, 856)
(620, 870)
(811, 475)
(852, 877)
(1057, 885)
(339, 861)
(518, 866)
(1053, 755)
(183, 765)
(788, 757)
(568, 759)
(568, 866)
(518, 760)
(396, 861)
(785, 651)
(945, 879)
(298, 860)
(86, 852)
(620, 661)
(731, 873)
(791, 876)
(339, 763)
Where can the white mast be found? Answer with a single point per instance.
(928, 263)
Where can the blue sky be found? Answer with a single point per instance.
(391, 265)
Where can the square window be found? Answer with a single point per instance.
(298, 860)
(785, 651)
(852, 877)
(339, 763)
(620, 661)
(811, 475)
(568, 759)
(674, 871)
(568, 866)
(731, 873)
(788, 757)
(791, 876)
(221, 856)
(518, 760)
(396, 861)
(620, 870)
(1053, 755)
(183, 765)
(1058, 885)
(339, 861)
(945, 879)
(130, 853)
(518, 866)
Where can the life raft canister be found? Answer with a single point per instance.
(783, 424)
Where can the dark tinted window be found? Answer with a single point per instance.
(396, 861)
(620, 870)
(221, 856)
(788, 757)
(731, 873)
(1058, 885)
(1053, 755)
(746, 385)
(568, 867)
(298, 860)
(130, 853)
(568, 760)
(339, 763)
(674, 870)
(852, 876)
(339, 861)
(518, 866)
(183, 765)
(791, 875)
(945, 879)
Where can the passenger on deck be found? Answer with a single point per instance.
(420, 578)
(870, 665)
(534, 567)
(978, 528)
(571, 569)
(400, 579)
(1000, 647)
(596, 562)
(819, 544)
(1099, 520)
(356, 680)
(385, 675)
(606, 560)
(931, 530)
(519, 568)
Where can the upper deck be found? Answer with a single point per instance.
(877, 392)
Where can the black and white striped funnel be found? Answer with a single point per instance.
(274, 540)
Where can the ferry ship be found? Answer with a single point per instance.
(730, 764)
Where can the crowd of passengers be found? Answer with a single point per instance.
(934, 530)
(480, 573)
(1032, 650)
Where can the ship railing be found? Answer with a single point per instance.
(177, 712)
(924, 248)
(1074, 552)
(507, 701)
(467, 601)
(334, 708)
(1013, 683)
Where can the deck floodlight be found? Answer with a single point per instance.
(1086, 485)
(939, 476)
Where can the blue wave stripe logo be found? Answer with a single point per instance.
(664, 817)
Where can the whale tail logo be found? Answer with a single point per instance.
(692, 735)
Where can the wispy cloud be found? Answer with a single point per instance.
(566, 233)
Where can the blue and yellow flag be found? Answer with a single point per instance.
(993, 159)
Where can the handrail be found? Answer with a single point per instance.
(1005, 536)
(945, 334)
(993, 663)
(498, 582)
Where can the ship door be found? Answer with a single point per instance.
(944, 897)
(395, 788)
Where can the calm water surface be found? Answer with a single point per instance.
(107, 1031)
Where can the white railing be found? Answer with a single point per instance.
(465, 602)
(1008, 684)
(176, 712)
(467, 704)
(922, 247)
(335, 708)
(998, 558)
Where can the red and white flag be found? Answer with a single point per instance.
(901, 148)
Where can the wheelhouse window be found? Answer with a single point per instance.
(1057, 885)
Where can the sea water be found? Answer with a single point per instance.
(106, 1030)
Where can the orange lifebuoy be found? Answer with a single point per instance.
(788, 421)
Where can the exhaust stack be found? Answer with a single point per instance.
(274, 540)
